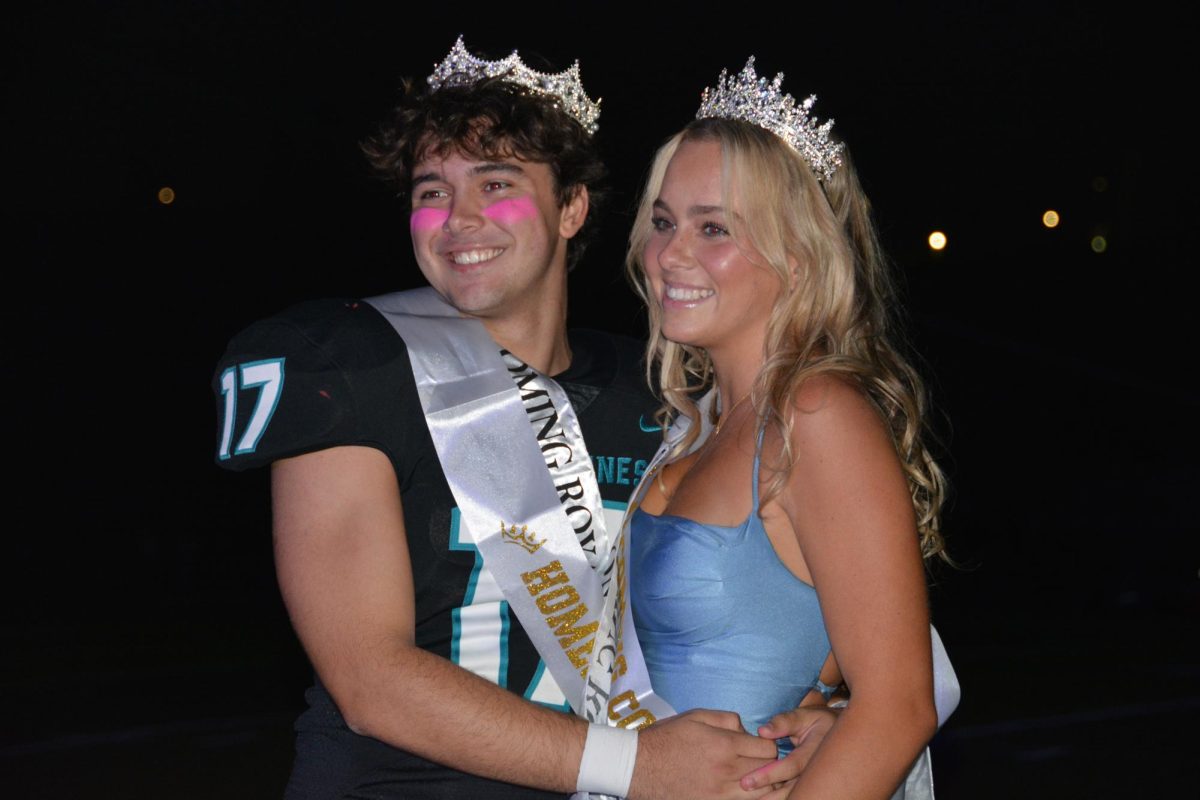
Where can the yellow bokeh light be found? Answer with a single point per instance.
(937, 240)
(1050, 219)
(1099, 244)
(166, 195)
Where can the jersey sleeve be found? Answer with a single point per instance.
(317, 376)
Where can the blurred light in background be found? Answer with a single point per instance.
(1050, 219)
(1099, 244)
(166, 195)
(937, 240)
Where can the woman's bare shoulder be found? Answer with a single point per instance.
(841, 449)
(834, 407)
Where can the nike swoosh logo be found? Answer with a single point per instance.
(655, 428)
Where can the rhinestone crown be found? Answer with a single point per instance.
(565, 89)
(752, 99)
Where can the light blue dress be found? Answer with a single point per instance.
(722, 623)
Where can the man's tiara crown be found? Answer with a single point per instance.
(565, 89)
(752, 99)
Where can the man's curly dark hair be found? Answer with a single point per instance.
(493, 119)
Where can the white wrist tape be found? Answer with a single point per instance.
(608, 757)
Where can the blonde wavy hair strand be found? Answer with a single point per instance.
(835, 318)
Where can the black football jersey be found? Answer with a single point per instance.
(334, 372)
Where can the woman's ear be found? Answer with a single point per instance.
(793, 272)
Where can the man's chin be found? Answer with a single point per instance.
(475, 303)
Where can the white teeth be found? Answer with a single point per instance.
(679, 293)
(475, 256)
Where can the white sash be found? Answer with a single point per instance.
(527, 495)
(618, 690)
(565, 455)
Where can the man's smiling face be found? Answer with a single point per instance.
(489, 235)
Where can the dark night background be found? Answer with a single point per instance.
(146, 652)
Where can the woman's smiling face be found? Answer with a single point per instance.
(713, 293)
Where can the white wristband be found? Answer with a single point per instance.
(608, 757)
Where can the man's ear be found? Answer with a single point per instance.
(574, 213)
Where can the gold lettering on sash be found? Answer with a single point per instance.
(620, 667)
(627, 698)
(563, 610)
(622, 594)
(579, 656)
(568, 593)
(564, 626)
(545, 577)
(637, 717)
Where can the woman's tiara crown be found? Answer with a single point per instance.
(752, 99)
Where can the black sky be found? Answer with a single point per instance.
(1065, 374)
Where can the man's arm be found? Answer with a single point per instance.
(345, 574)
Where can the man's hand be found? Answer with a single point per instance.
(806, 726)
(698, 754)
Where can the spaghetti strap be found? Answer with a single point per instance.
(757, 461)
(703, 591)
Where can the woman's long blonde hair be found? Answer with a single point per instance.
(834, 317)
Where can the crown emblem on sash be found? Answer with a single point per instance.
(522, 538)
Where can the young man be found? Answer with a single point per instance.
(390, 471)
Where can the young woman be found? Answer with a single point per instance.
(779, 553)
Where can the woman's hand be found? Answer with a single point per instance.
(806, 726)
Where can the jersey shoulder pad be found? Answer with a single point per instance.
(320, 374)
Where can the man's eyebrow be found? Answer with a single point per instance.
(496, 166)
(479, 169)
